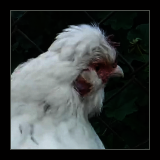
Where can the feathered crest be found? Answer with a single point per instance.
(78, 41)
(76, 34)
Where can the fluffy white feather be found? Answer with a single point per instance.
(46, 110)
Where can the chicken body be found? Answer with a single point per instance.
(51, 100)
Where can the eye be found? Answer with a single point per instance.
(97, 68)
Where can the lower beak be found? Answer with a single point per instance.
(117, 72)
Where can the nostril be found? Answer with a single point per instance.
(114, 65)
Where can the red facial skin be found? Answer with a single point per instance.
(103, 70)
(82, 86)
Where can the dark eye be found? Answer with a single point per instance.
(97, 68)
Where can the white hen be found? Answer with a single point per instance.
(53, 95)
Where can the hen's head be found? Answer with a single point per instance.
(87, 47)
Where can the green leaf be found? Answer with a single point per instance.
(131, 57)
(121, 20)
(142, 32)
(123, 104)
(108, 94)
(123, 110)
(114, 85)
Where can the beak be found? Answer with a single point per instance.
(117, 72)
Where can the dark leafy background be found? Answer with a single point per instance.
(124, 121)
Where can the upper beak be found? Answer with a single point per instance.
(118, 72)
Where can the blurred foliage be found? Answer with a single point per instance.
(121, 20)
(127, 114)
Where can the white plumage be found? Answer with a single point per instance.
(47, 109)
